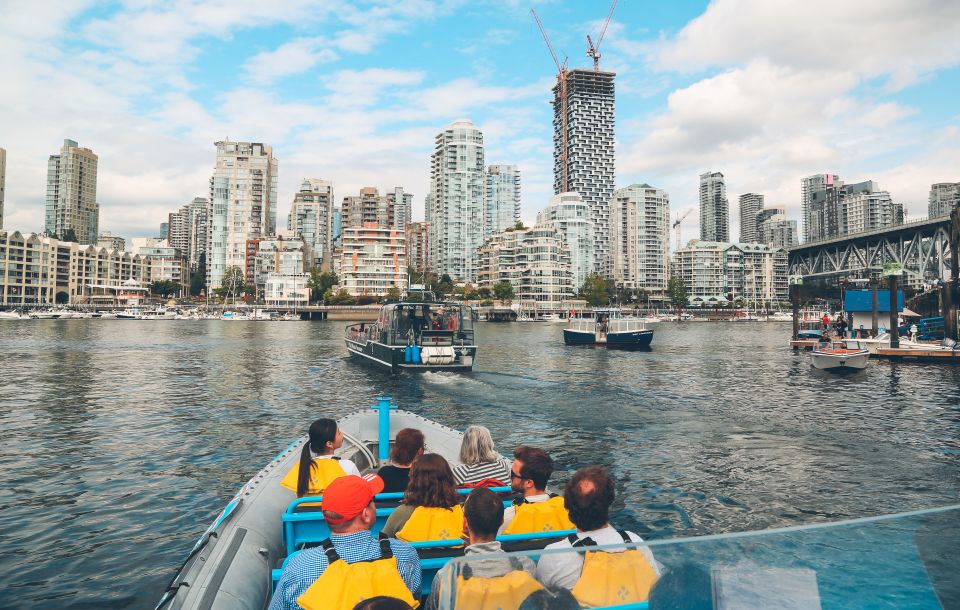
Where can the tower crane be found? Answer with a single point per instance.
(676, 225)
(562, 111)
(593, 50)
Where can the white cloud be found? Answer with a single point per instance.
(289, 58)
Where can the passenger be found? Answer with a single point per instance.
(493, 582)
(538, 510)
(318, 466)
(382, 602)
(320, 577)
(478, 461)
(597, 578)
(825, 338)
(408, 446)
(431, 508)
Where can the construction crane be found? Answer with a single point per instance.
(593, 50)
(676, 225)
(562, 102)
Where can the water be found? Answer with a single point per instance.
(121, 440)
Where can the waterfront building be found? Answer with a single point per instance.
(457, 187)
(866, 210)
(373, 260)
(812, 193)
(37, 270)
(774, 229)
(162, 262)
(368, 207)
(399, 208)
(751, 204)
(286, 257)
(72, 194)
(583, 147)
(714, 208)
(287, 290)
(715, 273)
(569, 215)
(418, 247)
(187, 230)
(111, 242)
(536, 262)
(311, 218)
(838, 209)
(944, 196)
(3, 181)
(503, 199)
(243, 205)
(640, 238)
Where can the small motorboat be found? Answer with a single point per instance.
(839, 359)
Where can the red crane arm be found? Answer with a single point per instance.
(546, 40)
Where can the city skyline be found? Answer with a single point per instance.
(356, 95)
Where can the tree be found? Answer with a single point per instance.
(320, 282)
(519, 226)
(233, 282)
(503, 291)
(445, 286)
(198, 278)
(594, 291)
(393, 295)
(677, 292)
(484, 293)
(341, 297)
(164, 288)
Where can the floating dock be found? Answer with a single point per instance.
(921, 355)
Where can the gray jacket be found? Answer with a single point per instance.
(489, 567)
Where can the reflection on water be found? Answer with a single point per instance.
(122, 439)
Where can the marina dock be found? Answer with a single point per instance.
(921, 355)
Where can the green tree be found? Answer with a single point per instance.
(164, 288)
(198, 278)
(677, 292)
(503, 291)
(393, 295)
(484, 293)
(233, 282)
(595, 291)
(320, 282)
(341, 297)
(445, 286)
(519, 226)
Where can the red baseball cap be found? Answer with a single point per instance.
(348, 496)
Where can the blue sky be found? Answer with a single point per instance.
(765, 92)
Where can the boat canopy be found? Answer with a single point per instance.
(402, 321)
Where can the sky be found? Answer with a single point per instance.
(766, 92)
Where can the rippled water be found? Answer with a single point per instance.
(121, 440)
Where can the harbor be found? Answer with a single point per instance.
(717, 429)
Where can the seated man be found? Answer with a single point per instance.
(597, 578)
(352, 564)
(537, 510)
(495, 582)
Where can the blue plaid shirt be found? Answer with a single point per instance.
(304, 569)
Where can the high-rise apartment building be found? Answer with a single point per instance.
(835, 209)
(243, 205)
(72, 208)
(457, 187)
(775, 230)
(536, 262)
(187, 231)
(944, 196)
(716, 272)
(583, 147)
(569, 215)
(750, 205)
(503, 198)
(640, 237)
(714, 208)
(3, 181)
(111, 242)
(311, 218)
(812, 193)
(373, 260)
(399, 208)
(418, 248)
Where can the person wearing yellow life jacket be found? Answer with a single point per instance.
(597, 578)
(318, 466)
(485, 579)
(431, 508)
(351, 565)
(537, 510)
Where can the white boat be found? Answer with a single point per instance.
(780, 316)
(839, 359)
(552, 317)
(10, 315)
(45, 314)
(872, 344)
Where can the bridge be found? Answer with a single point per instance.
(922, 247)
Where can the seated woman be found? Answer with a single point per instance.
(318, 466)
(478, 460)
(430, 509)
(407, 447)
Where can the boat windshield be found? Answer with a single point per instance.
(897, 561)
(605, 321)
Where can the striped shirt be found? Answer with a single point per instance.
(474, 473)
(304, 569)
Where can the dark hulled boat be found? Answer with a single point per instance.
(607, 328)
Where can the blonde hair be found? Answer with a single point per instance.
(477, 446)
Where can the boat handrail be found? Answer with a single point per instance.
(387, 495)
(361, 448)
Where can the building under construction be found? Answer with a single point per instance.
(583, 154)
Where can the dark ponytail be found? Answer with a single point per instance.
(322, 431)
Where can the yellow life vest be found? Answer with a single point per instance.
(322, 472)
(548, 516)
(431, 523)
(343, 585)
(611, 579)
(505, 592)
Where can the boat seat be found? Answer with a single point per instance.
(304, 529)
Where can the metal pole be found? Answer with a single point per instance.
(795, 298)
(875, 307)
(894, 306)
(383, 408)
